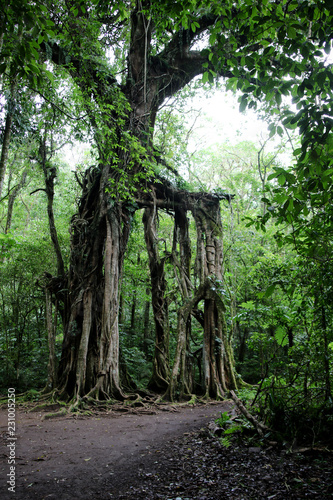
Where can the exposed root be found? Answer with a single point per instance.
(193, 400)
(42, 406)
(141, 402)
(60, 413)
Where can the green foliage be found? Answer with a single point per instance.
(278, 284)
(235, 429)
(277, 280)
(284, 408)
(247, 395)
(24, 28)
(225, 442)
(224, 419)
(138, 367)
(26, 253)
(22, 339)
(232, 429)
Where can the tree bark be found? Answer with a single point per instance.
(328, 390)
(260, 427)
(218, 362)
(160, 376)
(12, 197)
(7, 135)
(50, 174)
(90, 354)
(182, 371)
(51, 327)
(178, 369)
(146, 326)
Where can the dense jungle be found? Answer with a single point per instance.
(152, 255)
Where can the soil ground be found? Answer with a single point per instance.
(164, 453)
(92, 457)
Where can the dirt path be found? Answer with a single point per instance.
(93, 458)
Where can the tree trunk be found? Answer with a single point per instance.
(179, 365)
(160, 377)
(217, 358)
(90, 354)
(146, 326)
(328, 390)
(7, 136)
(12, 197)
(182, 371)
(51, 326)
(50, 175)
(218, 362)
(242, 341)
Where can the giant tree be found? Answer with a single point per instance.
(122, 116)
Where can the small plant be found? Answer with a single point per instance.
(231, 428)
(31, 395)
(234, 429)
(225, 442)
(223, 420)
(247, 395)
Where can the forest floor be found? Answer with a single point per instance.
(165, 452)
